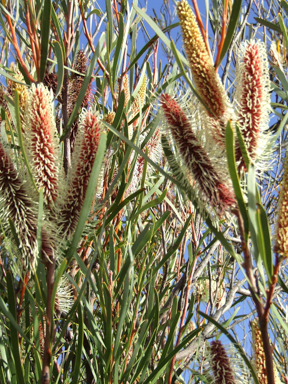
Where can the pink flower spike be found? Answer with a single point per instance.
(252, 97)
(86, 146)
(41, 142)
(217, 191)
(220, 364)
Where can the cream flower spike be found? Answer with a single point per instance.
(17, 203)
(139, 100)
(252, 100)
(41, 141)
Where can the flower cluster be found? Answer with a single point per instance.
(63, 196)
(199, 133)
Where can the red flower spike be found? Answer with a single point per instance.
(86, 146)
(195, 157)
(220, 364)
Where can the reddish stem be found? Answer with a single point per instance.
(16, 47)
(201, 26)
(223, 34)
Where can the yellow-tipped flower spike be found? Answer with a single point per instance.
(259, 355)
(139, 100)
(206, 80)
(126, 89)
(281, 238)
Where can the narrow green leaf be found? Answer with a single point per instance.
(140, 152)
(14, 333)
(282, 78)
(45, 32)
(96, 11)
(171, 336)
(158, 31)
(115, 209)
(265, 240)
(148, 46)
(141, 340)
(125, 302)
(282, 284)
(80, 339)
(9, 77)
(219, 235)
(3, 354)
(252, 210)
(152, 203)
(58, 29)
(40, 221)
(162, 363)
(118, 46)
(235, 14)
(230, 149)
(109, 23)
(112, 250)
(266, 23)
(60, 66)
(235, 343)
(284, 6)
(283, 29)
(107, 324)
(229, 321)
(146, 235)
(173, 247)
(242, 146)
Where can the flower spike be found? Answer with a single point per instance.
(210, 185)
(41, 142)
(220, 364)
(207, 81)
(259, 355)
(281, 238)
(252, 98)
(17, 205)
(86, 146)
